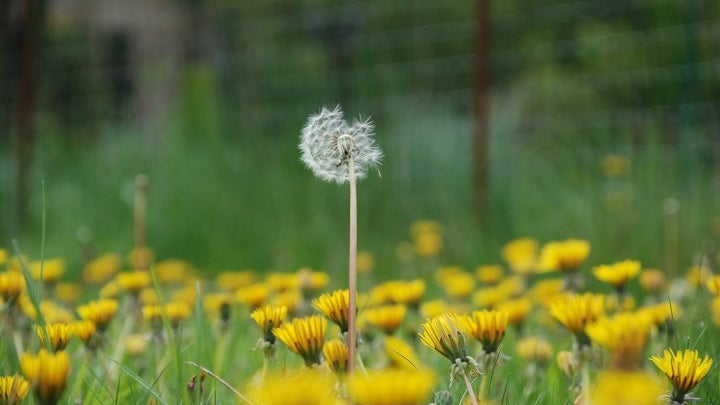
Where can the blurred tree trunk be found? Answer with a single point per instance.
(29, 26)
(481, 110)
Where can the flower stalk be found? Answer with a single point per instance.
(352, 269)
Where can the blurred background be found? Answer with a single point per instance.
(549, 119)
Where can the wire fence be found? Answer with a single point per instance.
(607, 65)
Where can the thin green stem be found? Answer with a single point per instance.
(586, 381)
(483, 387)
(352, 270)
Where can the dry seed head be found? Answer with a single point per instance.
(328, 142)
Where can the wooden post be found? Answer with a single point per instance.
(481, 98)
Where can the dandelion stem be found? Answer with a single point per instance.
(586, 381)
(470, 391)
(352, 270)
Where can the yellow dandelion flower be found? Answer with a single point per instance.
(140, 258)
(661, 313)
(13, 389)
(716, 310)
(172, 271)
(177, 311)
(420, 227)
(386, 318)
(517, 310)
(489, 328)
(84, 330)
(110, 290)
(617, 387)
(99, 312)
(382, 293)
(58, 333)
(3, 256)
(336, 355)
(149, 296)
(391, 387)
(268, 318)
(698, 275)
(292, 299)
(625, 335)
(48, 373)
(153, 313)
(304, 336)
(335, 306)
(400, 353)
(448, 335)
(652, 280)
(713, 284)
(489, 274)
(254, 296)
(12, 284)
(458, 286)
(566, 255)
(311, 281)
(187, 294)
(409, 292)
(280, 282)
(134, 281)
(546, 291)
(685, 369)
(52, 269)
(576, 311)
(219, 304)
(365, 262)
(513, 286)
(534, 349)
(235, 280)
(618, 274)
(135, 344)
(68, 293)
(433, 308)
(521, 255)
(101, 269)
(307, 387)
(489, 297)
(619, 303)
(51, 311)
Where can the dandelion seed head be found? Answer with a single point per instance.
(327, 142)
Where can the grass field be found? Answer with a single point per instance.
(248, 203)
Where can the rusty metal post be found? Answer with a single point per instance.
(481, 110)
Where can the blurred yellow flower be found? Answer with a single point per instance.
(84, 330)
(685, 369)
(140, 258)
(68, 293)
(296, 388)
(171, 271)
(576, 311)
(13, 389)
(428, 244)
(534, 349)
(489, 274)
(433, 308)
(517, 310)
(48, 373)
(713, 284)
(102, 268)
(12, 284)
(292, 299)
(489, 297)
(304, 336)
(614, 165)
(386, 318)
(235, 280)
(457, 285)
(365, 262)
(281, 282)
(567, 255)
(618, 387)
(59, 334)
(698, 275)
(268, 318)
(336, 355)
(391, 387)
(660, 313)
(51, 269)
(618, 274)
(98, 312)
(149, 296)
(447, 334)
(521, 255)
(134, 281)
(489, 328)
(311, 281)
(135, 344)
(652, 280)
(400, 353)
(625, 335)
(51, 311)
(254, 296)
(335, 306)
